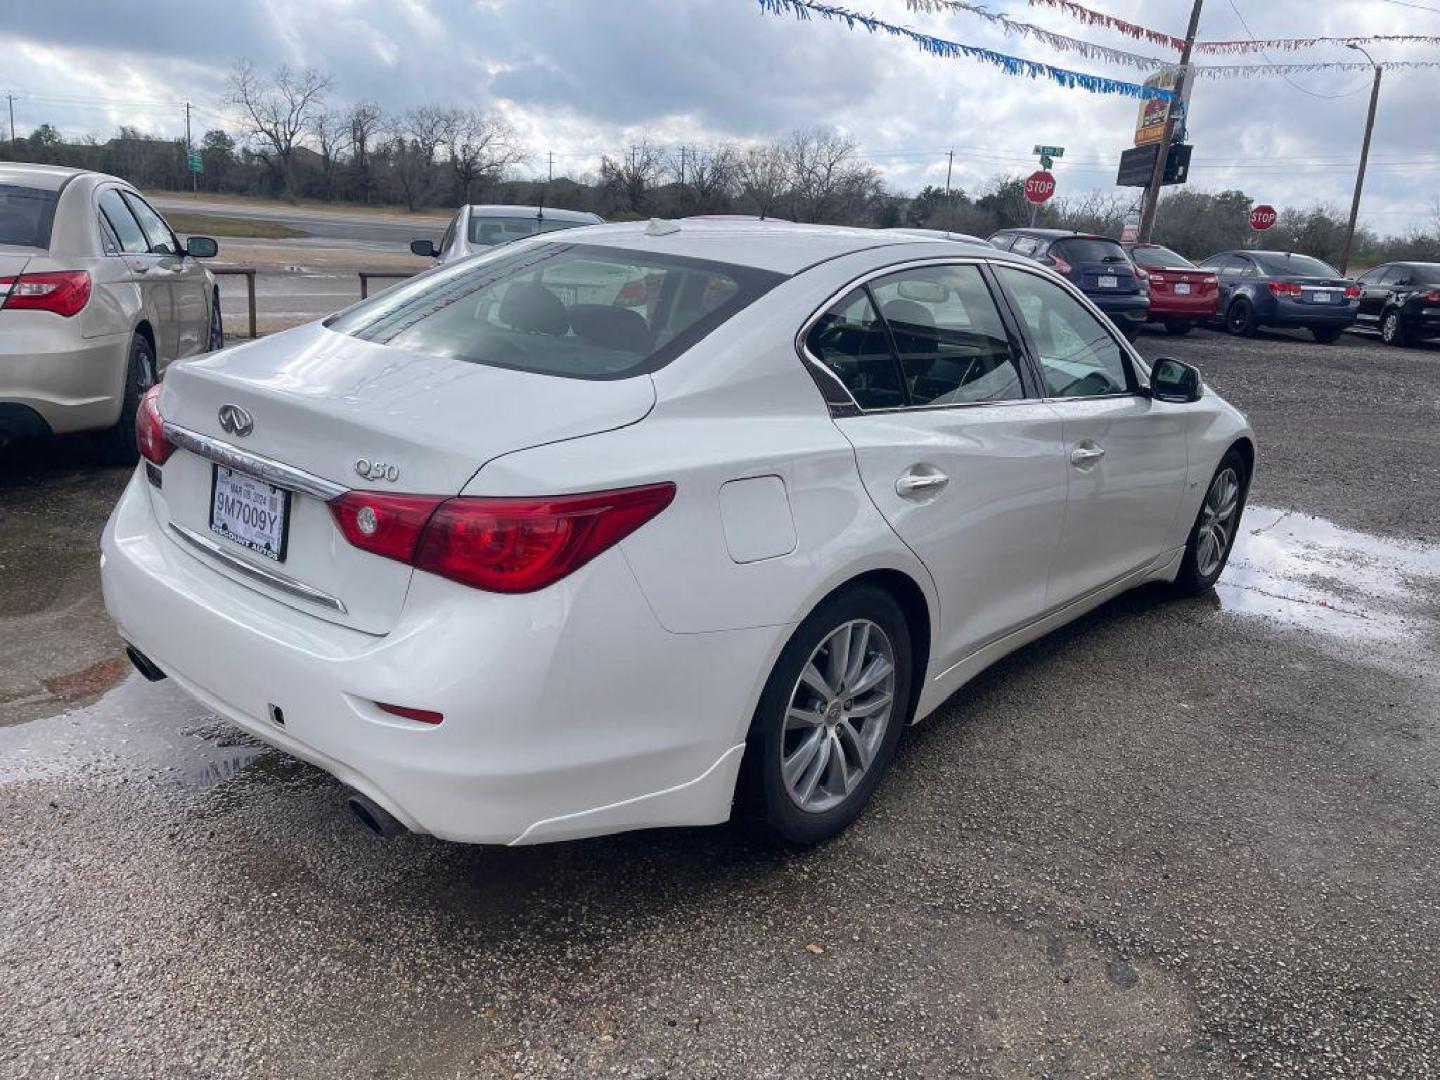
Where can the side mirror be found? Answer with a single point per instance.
(1174, 380)
(426, 249)
(201, 247)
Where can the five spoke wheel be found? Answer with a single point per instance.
(1217, 522)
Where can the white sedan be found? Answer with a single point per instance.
(644, 529)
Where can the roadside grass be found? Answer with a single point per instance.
(214, 225)
(440, 213)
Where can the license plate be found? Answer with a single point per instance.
(1109, 281)
(250, 512)
(1319, 297)
(1182, 289)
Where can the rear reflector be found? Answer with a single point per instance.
(63, 292)
(422, 716)
(150, 429)
(499, 545)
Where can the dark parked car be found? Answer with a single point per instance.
(1283, 289)
(1097, 264)
(1181, 294)
(1402, 301)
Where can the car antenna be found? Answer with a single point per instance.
(661, 227)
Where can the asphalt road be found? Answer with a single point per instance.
(1179, 838)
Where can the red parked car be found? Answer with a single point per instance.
(1181, 294)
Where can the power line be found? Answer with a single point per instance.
(1411, 4)
(1292, 82)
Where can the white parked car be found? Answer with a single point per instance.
(518, 564)
(474, 229)
(97, 297)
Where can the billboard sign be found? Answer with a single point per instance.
(1150, 124)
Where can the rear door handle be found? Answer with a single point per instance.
(915, 485)
(1086, 455)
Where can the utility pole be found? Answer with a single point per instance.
(949, 165)
(682, 166)
(11, 99)
(1177, 103)
(550, 178)
(1364, 157)
(189, 149)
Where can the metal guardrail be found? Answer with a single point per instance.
(366, 275)
(249, 274)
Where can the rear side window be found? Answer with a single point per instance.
(1087, 249)
(851, 341)
(575, 310)
(948, 334)
(122, 222)
(26, 215)
(1026, 245)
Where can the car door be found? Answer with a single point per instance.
(1126, 454)
(1376, 287)
(189, 284)
(952, 444)
(142, 267)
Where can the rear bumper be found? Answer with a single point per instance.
(1167, 308)
(1285, 313)
(1425, 323)
(71, 383)
(568, 712)
(1133, 308)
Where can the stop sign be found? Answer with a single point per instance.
(1039, 186)
(1262, 217)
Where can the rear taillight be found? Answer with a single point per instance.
(1283, 288)
(1060, 265)
(63, 292)
(1352, 292)
(1154, 275)
(150, 429)
(1209, 279)
(1432, 297)
(499, 545)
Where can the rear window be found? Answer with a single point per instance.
(1083, 249)
(1424, 273)
(1273, 262)
(1159, 257)
(489, 231)
(26, 215)
(575, 310)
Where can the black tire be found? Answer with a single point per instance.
(1177, 328)
(1327, 335)
(1194, 578)
(217, 326)
(763, 795)
(1240, 318)
(1392, 330)
(117, 444)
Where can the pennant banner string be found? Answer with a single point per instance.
(1013, 65)
(1059, 42)
(1091, 17)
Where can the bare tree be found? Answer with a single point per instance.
(332, 135)
(365, 120)
(762, 178)
(480, 147)
(415, 137)
(828, 181)
(628, 182)
(707, 177)
(277, 110)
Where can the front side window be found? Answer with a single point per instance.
(948, 334)
(1078, 356)
(851, 341)
(122, 222)
(26, 215)
(162, 241)
(448, 240)
(574, 310)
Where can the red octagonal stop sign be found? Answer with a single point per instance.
(1262, 217)
(1039, 186)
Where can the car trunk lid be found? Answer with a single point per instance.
(347, 414)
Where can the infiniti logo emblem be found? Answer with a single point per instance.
(236, 420)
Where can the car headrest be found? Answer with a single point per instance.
(534, 309)
(907, 315)
(611, 327)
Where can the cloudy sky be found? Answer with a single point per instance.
(582, 77)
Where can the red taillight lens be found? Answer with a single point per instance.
(1433, 297)
(1153, 275)
(385, 524)
(150, 429)
(500, 545)
(1210, 280)
(1352, 292)
(1284, 288)
(520, 545)
(64, 292)
(1060, 265)
(423, 716)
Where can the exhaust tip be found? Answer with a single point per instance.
(374, 817)
(144, 664)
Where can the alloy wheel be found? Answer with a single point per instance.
(1217, 522)
(839, 710)
(1239, 318)
(1390, 328)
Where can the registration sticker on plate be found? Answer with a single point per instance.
(1109, 281)
(1182, 289)
(250, 512)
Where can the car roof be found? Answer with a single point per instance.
(44, 177)
(1049, 233)
(779, 246)
(506, 210)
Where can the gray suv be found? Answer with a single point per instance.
(97, 297)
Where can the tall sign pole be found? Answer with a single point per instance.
(1157, 178)
(1364, 157)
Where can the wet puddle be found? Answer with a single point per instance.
(1310, 573)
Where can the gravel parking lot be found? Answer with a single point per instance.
(1190, 839)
